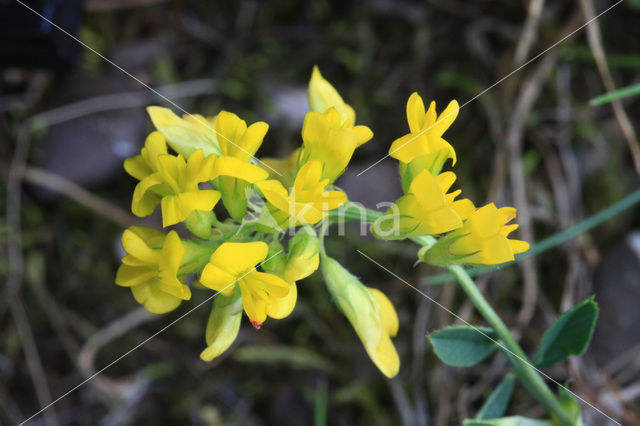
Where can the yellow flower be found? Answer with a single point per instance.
(307, 202)
(238, 143)
(425, 131)
(175, 186)
(426, 209)
(370, 313)
(326, 139)
(146, 163)
(185, 135)
(150, 268)
(482, 240)
(235, 264)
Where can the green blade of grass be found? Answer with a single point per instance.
(622, 93)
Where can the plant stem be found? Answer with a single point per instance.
(536, 384)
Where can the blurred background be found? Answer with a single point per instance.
(68, 119)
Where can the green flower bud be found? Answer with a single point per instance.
(302, 258)
(369, 311)
(276, 260)
(223, 325)
(200, 223)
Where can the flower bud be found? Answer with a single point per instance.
(369, 312)
(223, 325)
(322, 96)
(200, 223)
(302, 257)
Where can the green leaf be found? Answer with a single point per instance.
(463, 346)
(496, 405)
(621, 93)
(507, 421)
(568, 335)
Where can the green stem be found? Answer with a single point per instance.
(536, 384)
(527, 373)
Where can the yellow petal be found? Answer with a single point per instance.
(239, 258)
(176, 208)
(408, 147)
(219, 279)
(331, 200)
(464, 208)
(143, 202)
(306, 214)
(495, 250)
(388, 315)
(315, 128)
(446, 180)
(172, 286)
(415, 113)
(427, 190)
(385, 357)
(508, 213)
(282, 307)
(230, 129)
(137, 167)
(231, 166)
(275, 193)
(151, 236)
(275, 286)
(128, 276)
(431, 116)
(254, 306)
(172, 252)
(519, 246)
(253, 137)
(446, 118)
(135, 245)
(486, 221)
(363, 133)
(155, 300)
(508, 229)
(308, 175)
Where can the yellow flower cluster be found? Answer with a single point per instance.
(473, 236)
(191, 163)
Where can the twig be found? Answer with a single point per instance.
(34, 362)
(594, 38)
(123, 100)
(77, 193)
(514, 140)
(529, 32)
(402, 401)
(14, 235)
(417, 368)
(115, 329)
